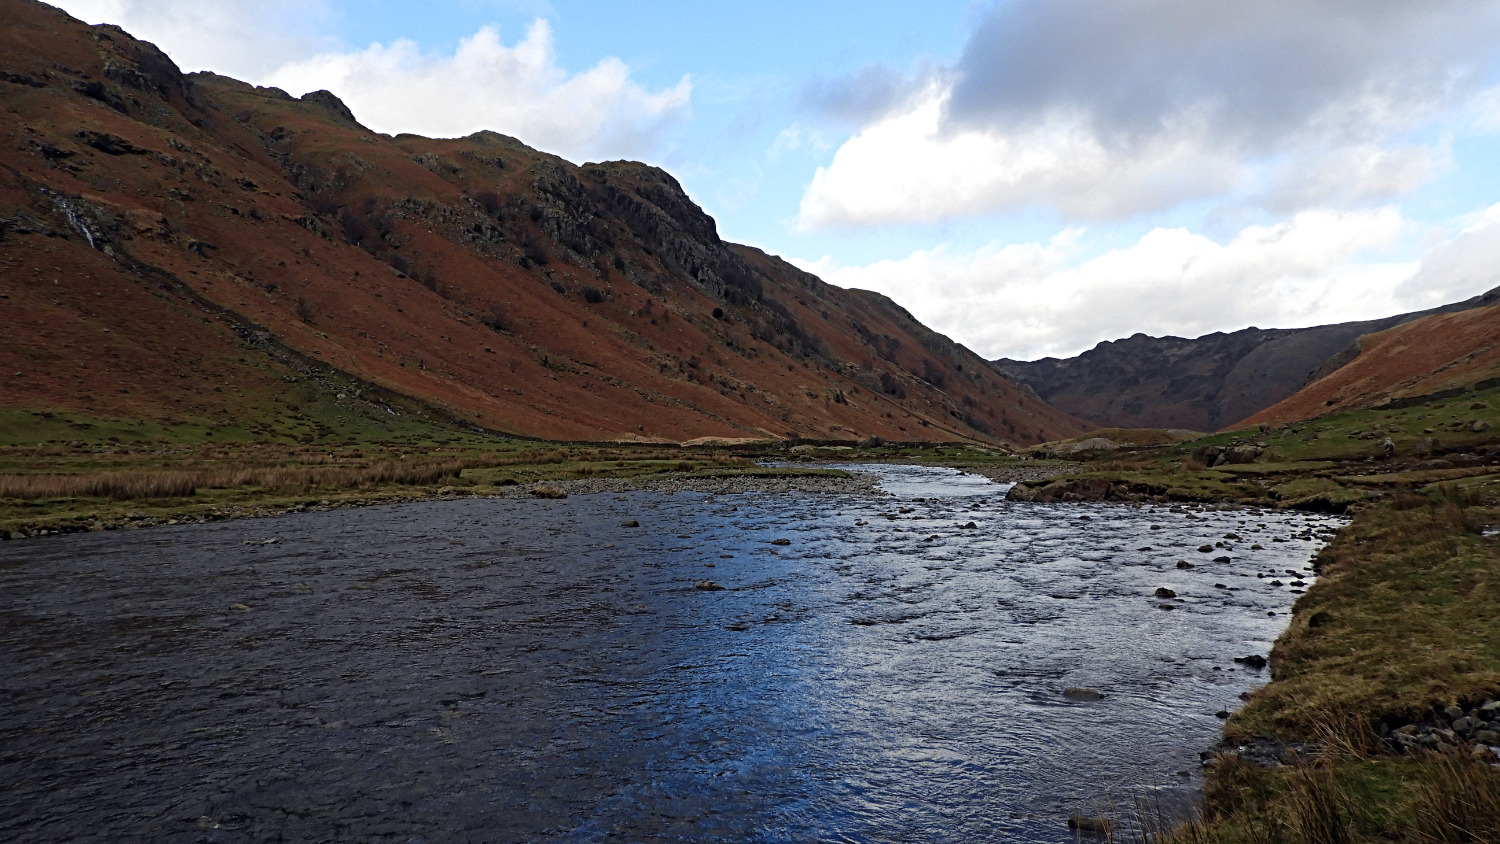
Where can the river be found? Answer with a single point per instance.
(494, 670)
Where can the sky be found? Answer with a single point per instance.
(1030, 177)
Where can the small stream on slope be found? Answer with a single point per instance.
(515, 670)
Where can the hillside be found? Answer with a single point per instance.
(1204, 384)
(1439, 356)
(179, 248)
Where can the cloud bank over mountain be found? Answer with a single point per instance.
(519, 90)
(485, 84)
(1037, 299)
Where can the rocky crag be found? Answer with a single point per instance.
(180, 246)
(1206, 384)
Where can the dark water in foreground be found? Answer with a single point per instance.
(498, 670)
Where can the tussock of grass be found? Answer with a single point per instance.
(1412, 800)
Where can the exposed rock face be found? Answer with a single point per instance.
(1206, 384)
(205, 223)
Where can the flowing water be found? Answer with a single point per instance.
(497, 670)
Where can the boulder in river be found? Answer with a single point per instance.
(708, 586)
(1080, 693)
(1164, 592)
(630, 523)
(1093, 826)
(1255, 661)
(781, 542)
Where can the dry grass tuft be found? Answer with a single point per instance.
(547, 492)
(1318, 808)
(1461, 806)
(181, 484)
(114, 485)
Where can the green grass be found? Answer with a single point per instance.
(1341, 436)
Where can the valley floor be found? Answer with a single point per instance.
(1382, 701)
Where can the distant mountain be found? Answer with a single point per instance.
(1435, 357)
(1205, 384)
(181, 246)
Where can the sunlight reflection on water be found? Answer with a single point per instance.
(530, 670)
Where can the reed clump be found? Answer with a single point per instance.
(181, 484)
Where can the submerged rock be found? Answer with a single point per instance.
(1080, 693)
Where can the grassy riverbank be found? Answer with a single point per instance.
(65, 474)
(1403, 625)
(1373, 728)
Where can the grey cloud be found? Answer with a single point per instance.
(1250, 73)
(867, 94)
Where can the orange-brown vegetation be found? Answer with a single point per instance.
(178, 246)
(1430, 356)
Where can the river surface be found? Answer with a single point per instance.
(490, 670)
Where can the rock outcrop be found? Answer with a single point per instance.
(184, 244)
(1205, 384)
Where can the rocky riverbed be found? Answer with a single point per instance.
(923, 661)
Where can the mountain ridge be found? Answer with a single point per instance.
(1206, 383)
(493, 283)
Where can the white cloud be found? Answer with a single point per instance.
(1030, 300)
(1102, 111)
(1464, 266)
(909, 168)
(1352, 175)
(518, 90)
(245, 39)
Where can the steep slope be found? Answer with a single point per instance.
(1203, 384)
(1437, 356)
(166, 235)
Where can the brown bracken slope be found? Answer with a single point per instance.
(1440, 355)
(167, 238)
